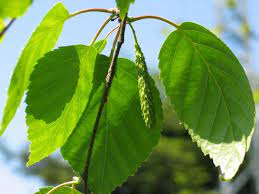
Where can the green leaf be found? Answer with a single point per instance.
(123, 141)
(210, 93)
(62, 190)
(13, 8)
(256, 96)
(124, 5)
(77, 143)
(47, 137)
(41, 41)
(53, 83)
(100, 45)
(2, 26)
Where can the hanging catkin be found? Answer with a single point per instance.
(145, 94)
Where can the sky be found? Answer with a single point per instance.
(80, 30)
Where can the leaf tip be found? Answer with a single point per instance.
(31, 161)
(3, 128)
(1, 132)
(225, 178)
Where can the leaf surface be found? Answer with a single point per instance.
(256, 96)
(47, 137)
(100, 45)
(53, 83)
(42, 40)
(210, 93)
(123, 141)
(2, 26)
(13, 8)
(63, 190)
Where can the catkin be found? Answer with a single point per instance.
(145, 94)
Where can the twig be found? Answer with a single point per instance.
(101, 28)
(134, 19)
(109, 78)
(114, 42)
(116, 17)
(7, 27)
(112, 30)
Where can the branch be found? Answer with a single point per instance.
(7, 27)
(108, 83)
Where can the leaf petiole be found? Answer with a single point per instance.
(134, 19)
(75, 181)
(112, 30)
(110, 11)
(101, 28)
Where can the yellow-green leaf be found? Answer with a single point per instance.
(46, 137)
(124, 5)
(13, 8)
(42, 40)
(100, 45)
(256, 96)
(2, 26)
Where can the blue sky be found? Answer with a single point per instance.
(80, 30)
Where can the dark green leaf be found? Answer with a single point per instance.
(124, 5)
(123, 141)
(41, 41)
(210, 93)
(63, 190)
(53, 83)
(47, 137)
